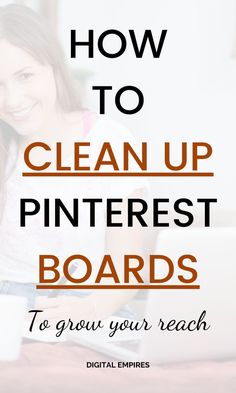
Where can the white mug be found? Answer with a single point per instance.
(12, 317)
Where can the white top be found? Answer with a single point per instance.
(21, 246)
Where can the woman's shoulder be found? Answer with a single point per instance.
(96, 126)
(109, 129)
(78, 117)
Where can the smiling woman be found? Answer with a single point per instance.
(34, 80)
(24, 102)
(39, 101)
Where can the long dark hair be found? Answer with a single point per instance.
(28, 30)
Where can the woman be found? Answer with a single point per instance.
(38, 101)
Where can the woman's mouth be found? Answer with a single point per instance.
(22, 113)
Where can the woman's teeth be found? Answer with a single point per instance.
(22, 113)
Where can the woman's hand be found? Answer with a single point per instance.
(65, 307)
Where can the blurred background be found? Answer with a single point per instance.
(190, 92)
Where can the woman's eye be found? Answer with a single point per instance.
(25, 76)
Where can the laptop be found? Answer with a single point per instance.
(215, 251)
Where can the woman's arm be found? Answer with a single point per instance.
(103, 303)
(120, 241)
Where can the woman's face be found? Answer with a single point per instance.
(28, 92)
